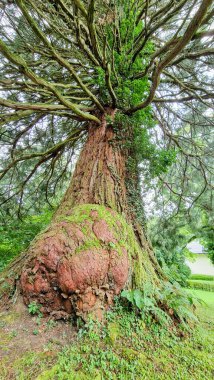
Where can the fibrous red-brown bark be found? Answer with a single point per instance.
(99, 176)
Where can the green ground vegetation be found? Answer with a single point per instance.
(125, 348)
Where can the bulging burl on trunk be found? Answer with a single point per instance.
(81, 261)
(93, 247)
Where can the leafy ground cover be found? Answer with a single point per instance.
(125, 348)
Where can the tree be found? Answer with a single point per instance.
(103, 75)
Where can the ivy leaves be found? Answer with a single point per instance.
(139, 142)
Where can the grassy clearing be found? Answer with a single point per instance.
(124, 349)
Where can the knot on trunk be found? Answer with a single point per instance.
(79, 263)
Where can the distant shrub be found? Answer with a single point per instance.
(16, 235)
(203, 285)
(202, 277)
(175, 269)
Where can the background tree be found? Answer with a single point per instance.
(127, 81)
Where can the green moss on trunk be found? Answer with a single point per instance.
(141, 267)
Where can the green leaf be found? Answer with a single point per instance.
(128, 294)
(138, 298)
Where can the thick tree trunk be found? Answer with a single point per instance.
(94, 246)
(99, 176)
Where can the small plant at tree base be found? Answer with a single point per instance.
(111, 244)
(145, 304)
(34, 308)
(38, 319)
(51, 324)
(13, 334)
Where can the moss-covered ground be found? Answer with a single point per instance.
(125, 348)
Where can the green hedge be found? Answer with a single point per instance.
(203, 285)
(205, 277)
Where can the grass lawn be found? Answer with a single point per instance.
(207, 297)
(205, 311)
(125, 349)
